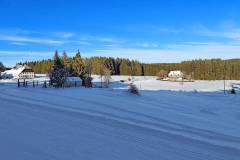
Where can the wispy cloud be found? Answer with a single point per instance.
(24, 39)
(223, 31)
(10, 58)
(147, 45)
(145, 50)
(19, 37)
(167, 54)
(18, 43)
(173, 52)
(153, 29)
(105, 39)
(17, 31)
(66, 35)
(167, 29)
(9, 53)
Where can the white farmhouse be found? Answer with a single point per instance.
(175, 75)
(19, 72)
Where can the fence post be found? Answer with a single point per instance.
(37, 83)
(45, 84)
(24, 83)
(18, 83)
(75, 84)
(33, 84)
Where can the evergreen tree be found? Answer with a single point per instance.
(67, 62)
(2, 68)
(57, 62)
(78, 65)
(109, 64)
(58, 73)
(200, 69)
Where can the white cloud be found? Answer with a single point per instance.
(167, 29)
(17, 31)
(18, 36)
(173, 53)
(66, 35)
(224, 31)
(147, 45)
(24, 39)
(100, 39)
(8, 53)
(86, 43)
(10, 58)
(18, 43)
(168, 54)
(153, 29)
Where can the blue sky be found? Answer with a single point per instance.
(150, 31)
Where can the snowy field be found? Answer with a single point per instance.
(168, 121)
(151, 84)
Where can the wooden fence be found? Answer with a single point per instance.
(46, 84)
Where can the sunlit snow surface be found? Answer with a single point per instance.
(169, 120)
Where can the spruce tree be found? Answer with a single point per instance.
(57, 62)
(2, 68)
(67, 62)
(58, 73)
(78, 65)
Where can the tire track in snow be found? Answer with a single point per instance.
(161, 136)
(155, 123)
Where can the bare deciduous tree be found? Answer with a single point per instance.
(162, 74)
(107, 77)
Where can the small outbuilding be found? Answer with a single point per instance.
(73, 81)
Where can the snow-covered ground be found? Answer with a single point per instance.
(109, 123)
(150, 83)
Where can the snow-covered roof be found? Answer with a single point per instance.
(15, 72)
(175, 73)
(73, 79)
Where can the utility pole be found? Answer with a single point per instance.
(224, 81)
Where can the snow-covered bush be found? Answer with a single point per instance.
(88, 82)
(233, 91)
(58, 77)
(133, 89)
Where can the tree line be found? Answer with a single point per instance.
(200, 69)
(63, 66)
(2, 67)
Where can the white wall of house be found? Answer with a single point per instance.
(175, 74)
(27, 75)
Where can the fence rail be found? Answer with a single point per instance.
(45, 84)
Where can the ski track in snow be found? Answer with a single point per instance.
(80, 123)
